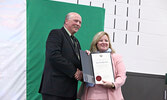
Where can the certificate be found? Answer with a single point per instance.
(97, 67)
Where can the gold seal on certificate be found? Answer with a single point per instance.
(97, 67)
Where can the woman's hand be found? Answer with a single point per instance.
(108, 84)
(87, 51)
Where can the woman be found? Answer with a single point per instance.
(106, 90)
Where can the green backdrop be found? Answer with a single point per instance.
(43, 16)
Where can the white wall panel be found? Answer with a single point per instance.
(132, 38)
(121, 1)
(133, 12)
(153, 27)
(154, 14)
(109, 20)
(68, 1)
(120, 37)
(121, 9)
(85, 2)
(120, 23)
(97, 3)
(109, 7)
(134, 2)
(154, 4)
(109, 0)
(132, 25)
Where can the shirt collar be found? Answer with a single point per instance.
(67, 31)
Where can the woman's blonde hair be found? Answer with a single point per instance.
(96, 38)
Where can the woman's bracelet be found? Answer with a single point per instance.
(112, 86)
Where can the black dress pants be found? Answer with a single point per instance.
(53, 97)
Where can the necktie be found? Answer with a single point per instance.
(75, 43)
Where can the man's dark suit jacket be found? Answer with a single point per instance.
(61, 63)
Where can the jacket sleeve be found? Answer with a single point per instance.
(119, 72)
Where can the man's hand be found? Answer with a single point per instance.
(78, 75)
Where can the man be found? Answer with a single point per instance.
(62, 63)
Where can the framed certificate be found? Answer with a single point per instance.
(97, 67)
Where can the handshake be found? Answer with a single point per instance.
(78, 75)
